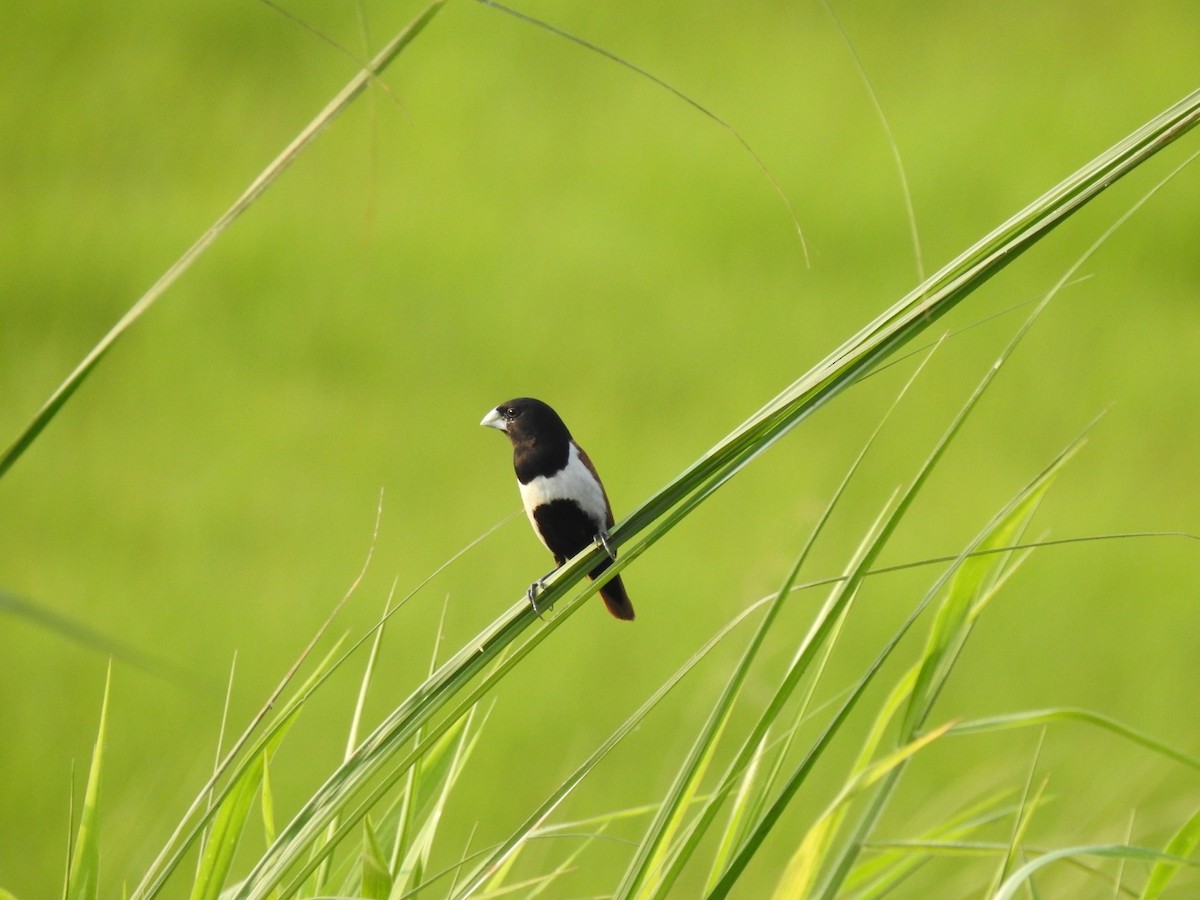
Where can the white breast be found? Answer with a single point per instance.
(572, 482)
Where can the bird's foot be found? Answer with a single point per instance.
(602, 541)
(534, 590)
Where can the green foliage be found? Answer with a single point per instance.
(83, 877)
(375, 826)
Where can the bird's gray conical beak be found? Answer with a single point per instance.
(494, 420)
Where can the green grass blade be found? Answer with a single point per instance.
(744, 807)
(1042, 717)
(893, 862)
(1017, 880)
(440, 769)
(1182, 844)
(970, 587)
(801, 872)
(1031, 802)
(332, 110)
(230, 820)
(83, 878)
(359, 706)
(268, 802)
(376, 883)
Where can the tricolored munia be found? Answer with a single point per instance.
(561, 491)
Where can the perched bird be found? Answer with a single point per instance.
(562, 493)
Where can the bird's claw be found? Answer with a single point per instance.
(602, 540)
(532, 595)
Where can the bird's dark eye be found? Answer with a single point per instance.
(510, 413)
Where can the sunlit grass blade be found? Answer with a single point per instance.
(892, 862)
(222, 840)
(1017, 881)
(744, 806)
(815, 848)
(322, 877)
(801, 871)
(83, 878)
(268, 801)
(376, 881)
(1182, 844)
(1042, 717)
(440, 771)
(973, 583)
(1031, 802)
(287, 156)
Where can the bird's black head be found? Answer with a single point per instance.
(526, 420)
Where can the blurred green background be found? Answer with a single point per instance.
(518, 216)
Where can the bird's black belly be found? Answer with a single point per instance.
(565, 528)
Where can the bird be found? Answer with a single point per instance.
(561, 492)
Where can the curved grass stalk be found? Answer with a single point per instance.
(286, 157)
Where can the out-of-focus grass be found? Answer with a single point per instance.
(213, 487)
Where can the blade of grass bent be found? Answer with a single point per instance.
(1040, 717)
(277, 166)
(1009, 889)
(667, 86)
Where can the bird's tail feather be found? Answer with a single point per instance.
(613, 594)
